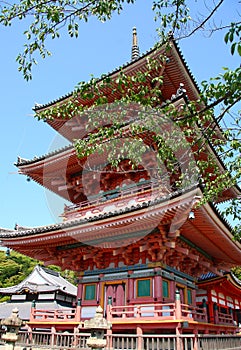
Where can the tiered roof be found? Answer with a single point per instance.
(121, 221)
(103, 232)
(174, 71)
(54, 170)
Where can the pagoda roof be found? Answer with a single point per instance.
(42, 280)
(36, 159)
(175, 71)
(105, 215)
(41, 169)
(129, 65)
(52, 169)
(206, 233)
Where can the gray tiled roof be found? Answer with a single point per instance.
(42, 280)
(5, 230)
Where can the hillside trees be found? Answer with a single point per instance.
(15, 267)
(178, 19)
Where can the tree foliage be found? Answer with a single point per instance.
(219, 96)
(14, 268)
(237, 271)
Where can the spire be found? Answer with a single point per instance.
(135, 53)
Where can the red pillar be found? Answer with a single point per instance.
(80, 290)
(78, 311)
(215, 313)
(32, 310)
(130, 287)
(157, 286)
(178, 310)
(204, 307)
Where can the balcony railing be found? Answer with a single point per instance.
(166, 311)
(155, 311)
(53, 315)
(222, 318)
(120, 197)
(146, 311)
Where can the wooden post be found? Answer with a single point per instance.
(178, 310)
(29, 335)
(53, 332)
(179, 340)
(195, 340)
(210, 306)
(130, 286)
(32, 310)
(108, 309)
(178, 316)
(109, 339)
(139, 333)
(75, 340)
(215, 313)
(157, 285)
(78, 310)
(204, 307)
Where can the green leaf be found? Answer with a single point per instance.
(233, 48)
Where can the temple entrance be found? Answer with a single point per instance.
(117, 292)
(181, 290)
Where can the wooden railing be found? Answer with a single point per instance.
(63, 340)
(166, 311)
(120, 197)
(224, 319)
(157, 311)
(195, 312)
(222, 342)
(77, 341)
(50, 315)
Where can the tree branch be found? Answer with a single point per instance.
(203, 22)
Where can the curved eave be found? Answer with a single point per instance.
(28, 288)
(225, 282)
(131, 219)
(207, 232)
(213, 235)
(129, 67)
(231, 192)
(22, 161)
(53, 169)
(174, 72)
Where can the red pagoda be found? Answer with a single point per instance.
(153, 260)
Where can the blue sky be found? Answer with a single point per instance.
(100, 48)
